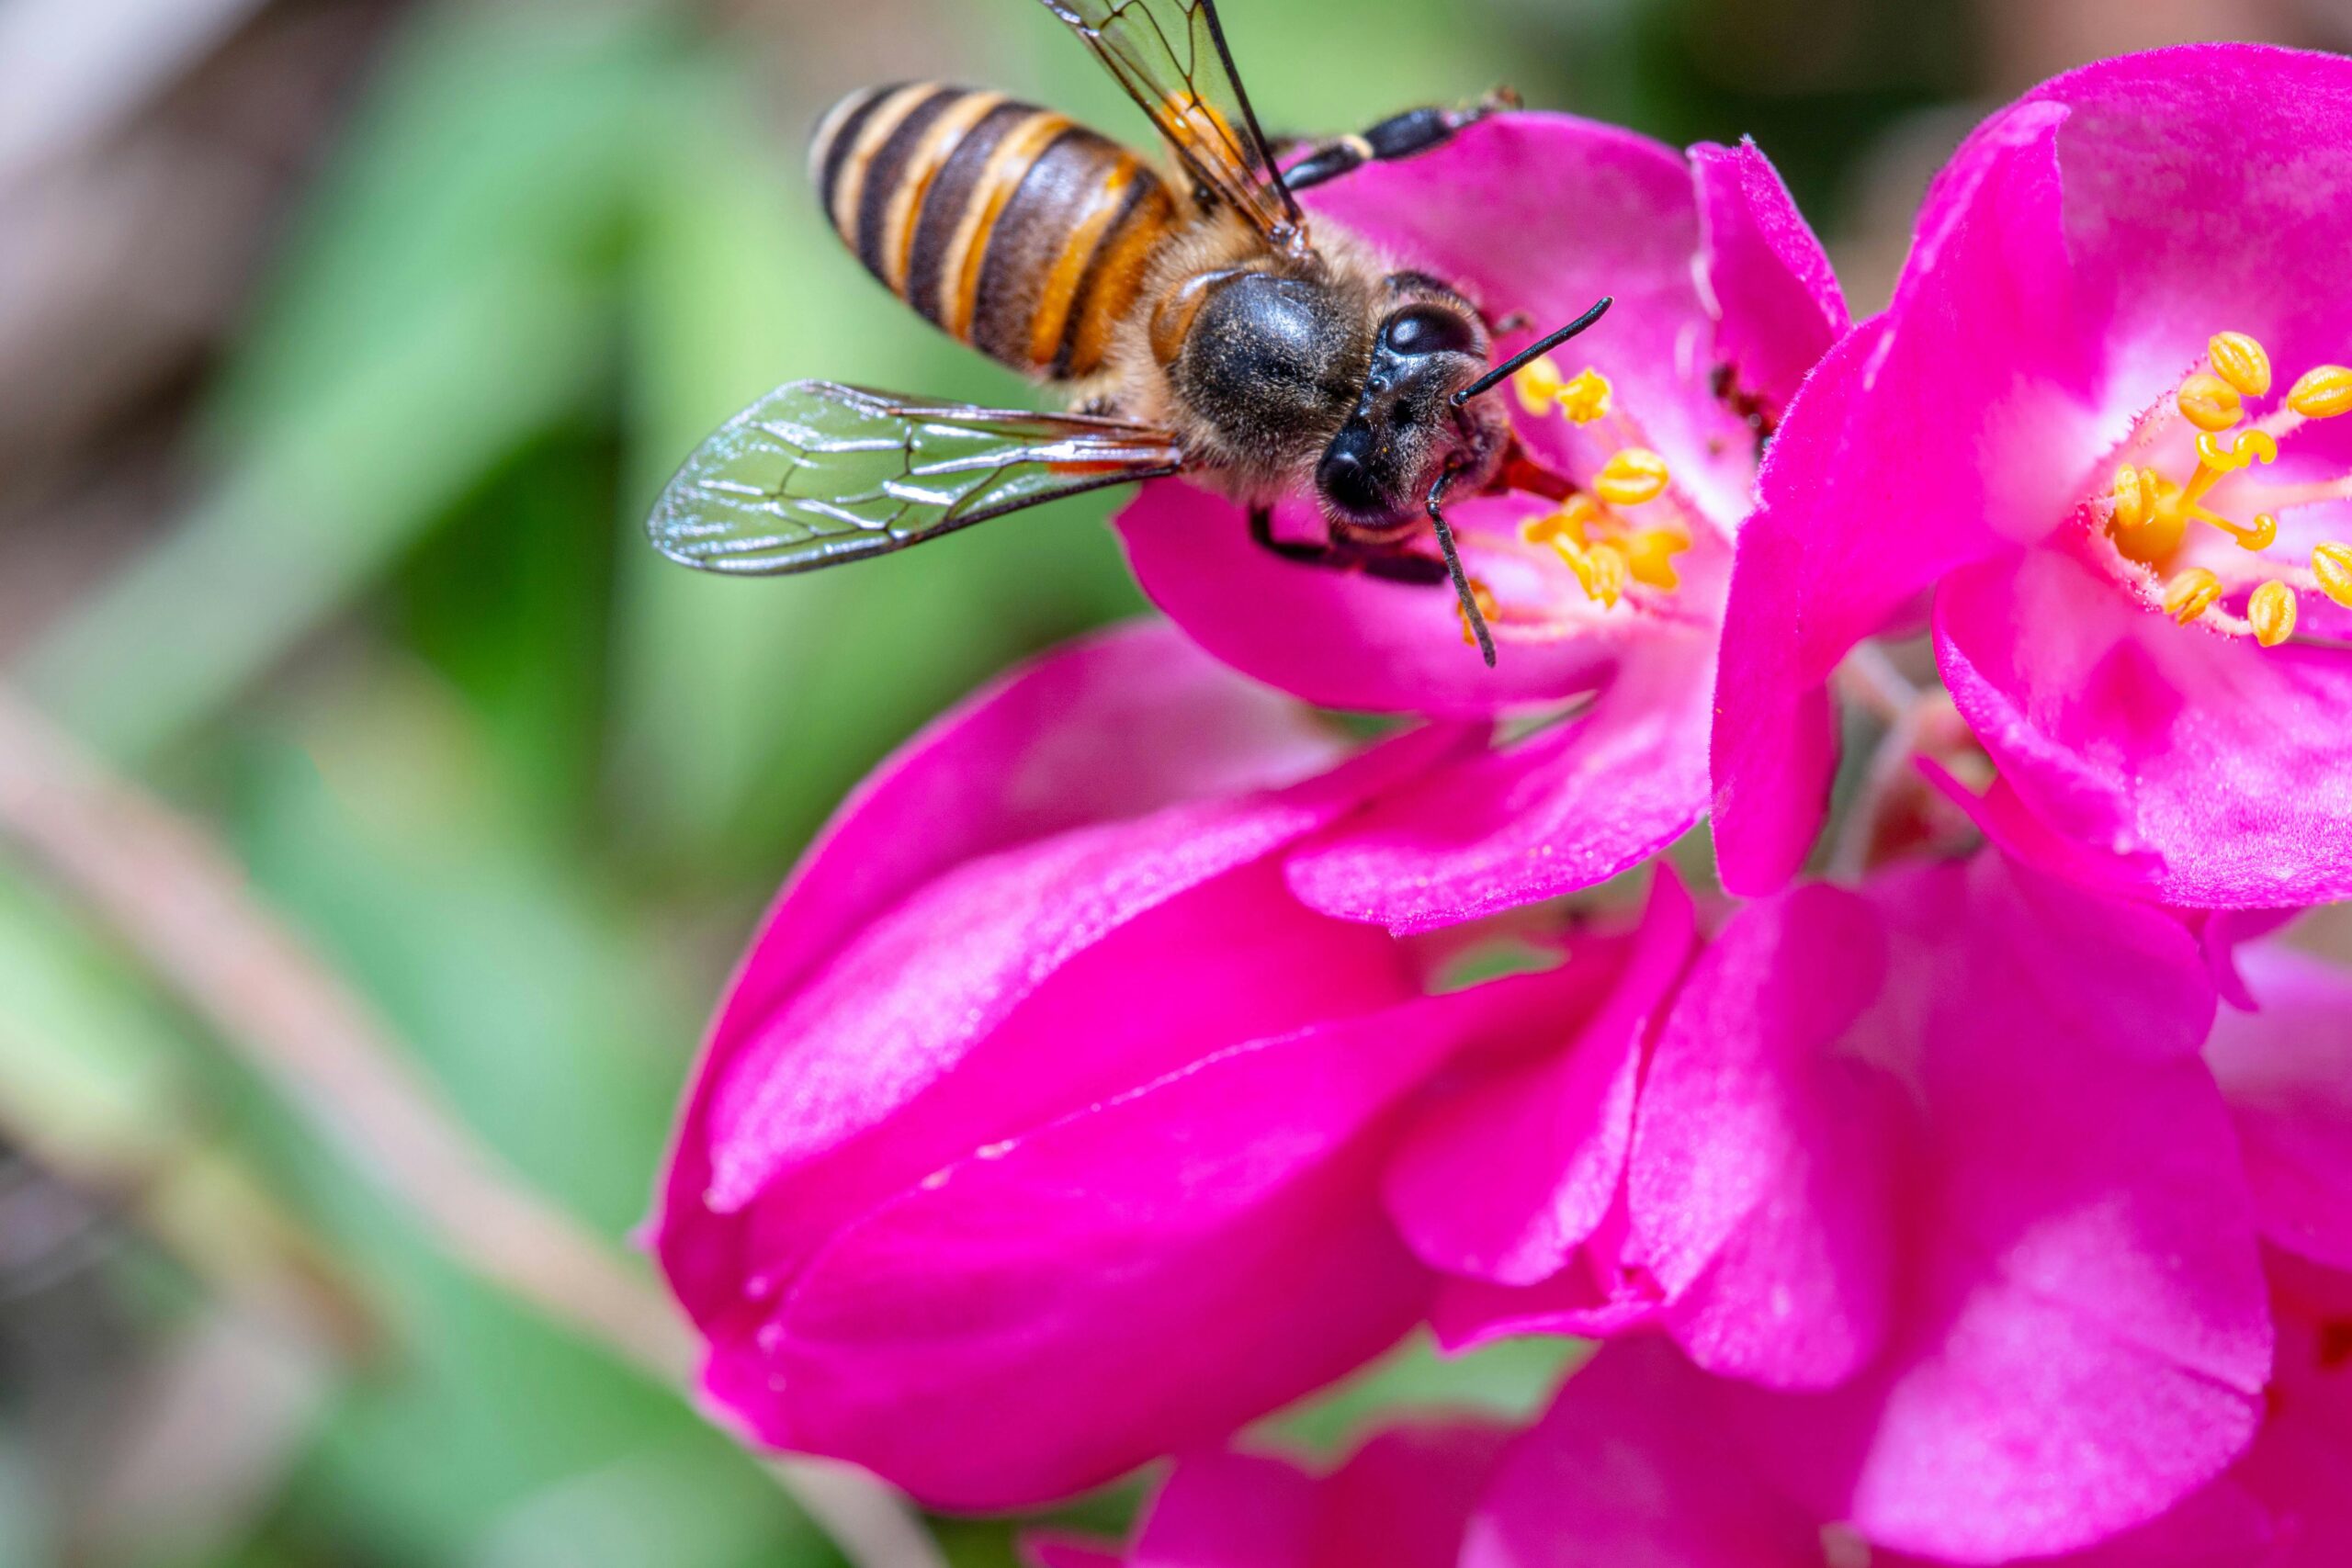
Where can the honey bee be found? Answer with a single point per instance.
(1197, 326)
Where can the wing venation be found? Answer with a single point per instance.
(817, 473)
(1171, 58)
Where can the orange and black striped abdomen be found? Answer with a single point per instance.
(1018, 232)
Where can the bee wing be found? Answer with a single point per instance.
(815, 473)
(1171, 57)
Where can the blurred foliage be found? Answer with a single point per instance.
(523, 783)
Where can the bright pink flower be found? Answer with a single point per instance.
(1042, 1130)
(1400, 1501)
(1538, 215)
(1642, 1462)
(1937, 1164)
(2014, 446)
(2284, 1068)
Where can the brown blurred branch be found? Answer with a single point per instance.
(183, 904)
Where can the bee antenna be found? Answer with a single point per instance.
(1472, 616)
(1532, 353)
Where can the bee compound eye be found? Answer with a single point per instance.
(1420, 330)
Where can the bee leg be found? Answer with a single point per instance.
(1399, 136)
(1403, 566)
(1262, 533)
(1387, 565)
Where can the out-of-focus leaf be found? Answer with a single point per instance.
(374, 823)
(446, 303)
(489, 1436)
(318, 508)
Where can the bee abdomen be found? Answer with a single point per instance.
(1018, 232)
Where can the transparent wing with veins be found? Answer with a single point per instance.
(1171, 57)
(817, 473)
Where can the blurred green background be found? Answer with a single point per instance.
(343, 343)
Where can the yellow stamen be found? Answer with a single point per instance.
(2160, 531)
(2135, 497)
(2192, 593)
(1606, 582)
(1537, 382)
(2322, 393)
(2272, 610)
(1485, 599)
(2331, 564)
(1650, 555)
(2213, 459)
(1631, 476)
(2208, 402)
(1585, 398)
(2241, 362)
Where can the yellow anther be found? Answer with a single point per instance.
(2272, 610)
(2208, 402)
(2322, 393)
(1585, 398)
(1566, 526)
(1650, 555)
(1485, 599)
(1604, 578)
(1537, 382)
(2241, 362)
(2331, 564)
(1631, 476)
(2192, 593)
(1543, 529)
(2135, 497)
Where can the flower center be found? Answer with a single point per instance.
(2150, 516)
(1592, 531)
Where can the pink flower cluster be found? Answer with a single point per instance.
(1116, 1069)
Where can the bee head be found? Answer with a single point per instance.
(1407, 426)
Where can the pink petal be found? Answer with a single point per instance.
(1078, 1039)
(1502, 1179)
(2298, 1465)
(2169, 258)
(1230, 1510)
(1777, 302)
(1629, 1468)
(1598, 1295)
(1565, 808)
(1137, 1278)
(2084, 1333)
(1041, 1550)
(1341, 638)
(925, 984)
(1401, 1501)
(2219, 770)
(2286, 1074)
(1110, 727)
(1760, 1178)
(1115, 727)
(1955, 429)
(1405, 1498)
